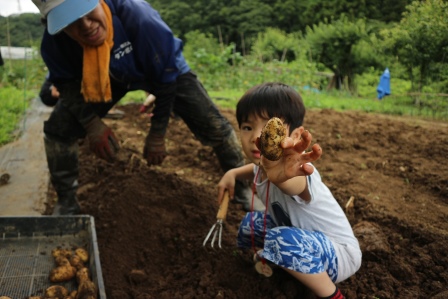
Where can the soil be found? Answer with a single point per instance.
(151, 221)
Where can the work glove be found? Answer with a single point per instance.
(101, 139)
(148, 105)
(154, 151)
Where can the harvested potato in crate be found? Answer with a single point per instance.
(28, 246)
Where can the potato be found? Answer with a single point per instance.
(83, 254)
(56, 292)
(82, 274)
(271, 136)
(62, 261)
(87, 290)
(76, 262)
(61, 252)
(72, 295)
(62, 273)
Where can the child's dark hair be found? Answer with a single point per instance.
(272, 99)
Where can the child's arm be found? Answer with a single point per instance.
(227, 182)
(289, 173)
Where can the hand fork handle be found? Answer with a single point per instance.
(222, 211)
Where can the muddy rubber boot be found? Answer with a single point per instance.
(230, 156)
(62, 161)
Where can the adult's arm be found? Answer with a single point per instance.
(63, 57)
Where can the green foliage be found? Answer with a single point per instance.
(421, 40)
(20, 81)
(222, 68)
(236, 44)
(25, 30)
(205, 54)
(136, 96)
(367, 83)
(240, 21)
(274, 44)
(12, 108)
(342, 101)
(23, 74)
(343, 46)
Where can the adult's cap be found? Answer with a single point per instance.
(61, 13)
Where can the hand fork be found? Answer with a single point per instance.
(217, 227)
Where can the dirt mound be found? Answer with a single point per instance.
(151, 222)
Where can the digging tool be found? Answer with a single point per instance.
(217, 227)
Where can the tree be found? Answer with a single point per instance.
(274, 44)
(421, 39)
(25, 30)
(344, 47)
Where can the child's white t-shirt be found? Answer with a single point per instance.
(322, 213)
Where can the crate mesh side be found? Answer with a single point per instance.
(25, 263)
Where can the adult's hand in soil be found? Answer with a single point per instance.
(154, 151)
(101, 139)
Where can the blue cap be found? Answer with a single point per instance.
(61, 13)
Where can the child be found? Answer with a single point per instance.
(303, 230)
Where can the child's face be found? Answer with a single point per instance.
(249, 132)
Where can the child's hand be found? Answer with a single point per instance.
(227, 182)
(295, 156)
(294, 159)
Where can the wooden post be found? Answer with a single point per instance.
(243, 47)
(220, 38)
(9, 43)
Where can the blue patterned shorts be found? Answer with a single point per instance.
(303, 251)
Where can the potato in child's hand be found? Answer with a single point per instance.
(270, 139)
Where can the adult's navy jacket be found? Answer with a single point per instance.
(145, 56)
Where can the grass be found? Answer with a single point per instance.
(392, 105)
(137, 96)
(12, 109)
(13, 103)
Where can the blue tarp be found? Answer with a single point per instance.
(383, 88)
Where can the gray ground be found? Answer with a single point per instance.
(23, 160)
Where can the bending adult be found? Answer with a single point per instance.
(97, 51)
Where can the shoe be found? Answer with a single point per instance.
(66, 208)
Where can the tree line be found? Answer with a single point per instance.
(237, 18)
(231, 19)
(348, 38)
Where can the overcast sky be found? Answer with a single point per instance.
(9, 7)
